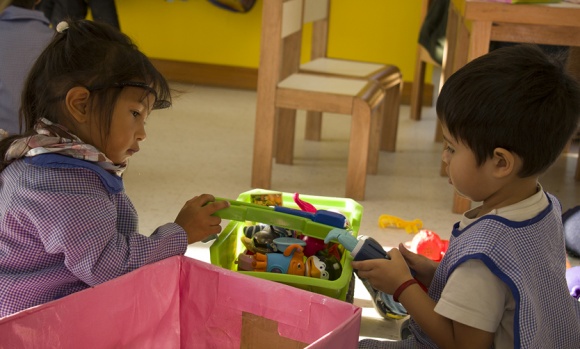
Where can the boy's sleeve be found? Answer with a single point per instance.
(474, 296)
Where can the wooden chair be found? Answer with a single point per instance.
(423, 58)
(282, 89)
(388, 76)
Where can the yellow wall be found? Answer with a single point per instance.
(196, 31)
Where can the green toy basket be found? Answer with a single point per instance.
(225, 250)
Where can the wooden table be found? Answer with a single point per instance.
(472, 24)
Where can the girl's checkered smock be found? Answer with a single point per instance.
(66, 225)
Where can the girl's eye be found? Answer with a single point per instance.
(449, 149)
(135, 113)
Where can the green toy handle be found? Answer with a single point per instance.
(244, 211)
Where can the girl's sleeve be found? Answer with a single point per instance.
(97, 234)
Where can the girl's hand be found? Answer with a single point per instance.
(424, 267)
(196, 217)
(384, 274)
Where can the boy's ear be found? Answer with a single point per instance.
(504, 161)
(77, 101)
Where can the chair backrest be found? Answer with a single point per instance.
(282, 25)
(317, 12)
(280, 40)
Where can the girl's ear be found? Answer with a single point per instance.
(77, 101)
(504, 162)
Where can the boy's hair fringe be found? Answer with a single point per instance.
(517, 98)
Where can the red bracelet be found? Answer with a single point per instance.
(402, 288)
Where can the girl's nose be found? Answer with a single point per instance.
(141, 134)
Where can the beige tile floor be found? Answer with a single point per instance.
(203, 144)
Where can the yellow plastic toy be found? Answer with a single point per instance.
(413, 226)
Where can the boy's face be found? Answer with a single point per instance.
(469, 179)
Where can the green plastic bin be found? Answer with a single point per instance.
(225, 250)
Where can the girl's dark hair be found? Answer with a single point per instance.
(89, 54)
(516, 98)
(29, 4)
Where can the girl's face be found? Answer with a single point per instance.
(469, 179)
(127, 126)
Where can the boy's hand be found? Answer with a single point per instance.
(384, 274)
(424, 267)
(196, 217)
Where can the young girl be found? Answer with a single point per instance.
(65, 221)
(506, 117)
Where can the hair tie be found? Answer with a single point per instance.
(62, 27)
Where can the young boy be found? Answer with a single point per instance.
(506, 118)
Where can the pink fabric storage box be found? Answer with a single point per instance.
(184, 303)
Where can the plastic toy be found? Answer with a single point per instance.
(304, 206)
(245, 262)
(316, 268)
(361, 248)
(364, 248)
(260, 237)
(261, 242)
(430, 245)
(413, 226)
(277, 232)
(289, 262)
(315, 225)
(313, 245)
(324, 265)
(321, 216)
(270, 199)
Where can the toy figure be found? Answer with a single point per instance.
(289, 262)
(313, 245)
(260, 237)
(323, 265)
(316, 268)
(278, 232)
(245, 262)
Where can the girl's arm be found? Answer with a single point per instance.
(96, 231)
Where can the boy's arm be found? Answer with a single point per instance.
(444, 332)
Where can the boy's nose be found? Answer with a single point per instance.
(444, 157)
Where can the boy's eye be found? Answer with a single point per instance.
(135, 113)
(449, 149)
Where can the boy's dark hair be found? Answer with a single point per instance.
(516, 98)
(89, 54)
(29, 4)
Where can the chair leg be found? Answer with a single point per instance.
(313, 129)
(392, 106)
(460, 204)
(417, 88)
(285, 136)
(358, 153)
(377, 120)
(263, 146)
